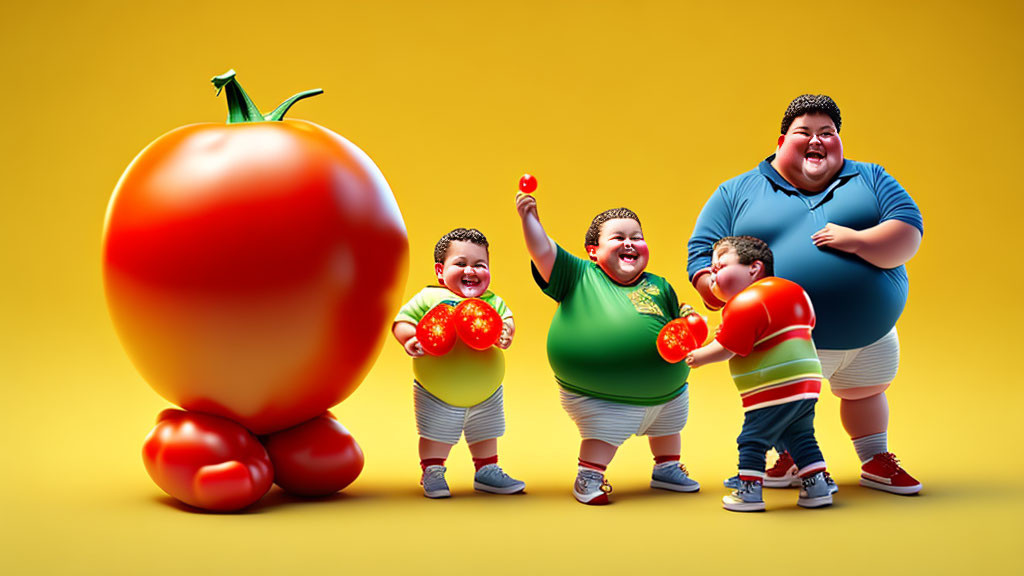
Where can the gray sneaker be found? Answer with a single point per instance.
(673, 476)
(746, 498)
(491, 478)
(433, 482)
(591, 487)
(816, 491)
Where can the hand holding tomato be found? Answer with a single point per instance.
(233, 256)
(682, 335)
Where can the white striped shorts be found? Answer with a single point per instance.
(614, 423)
(871, 365)
(441, 422)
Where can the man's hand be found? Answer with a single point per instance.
(413, 348)
(838, 237)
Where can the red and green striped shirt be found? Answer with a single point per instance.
(768, 326)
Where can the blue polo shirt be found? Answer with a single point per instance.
(856, 302)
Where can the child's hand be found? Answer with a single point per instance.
(505, 340)
(693, 361)
(413, 348)
(526, 205)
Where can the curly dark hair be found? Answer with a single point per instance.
(471, 235)
(595, 226)
(811, 104)
(750, 250)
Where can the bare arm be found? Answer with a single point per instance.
(887, 245)
(540, 246)
(713, 352)
(405, 333)
(702, 282)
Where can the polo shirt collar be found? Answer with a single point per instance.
(780, 183)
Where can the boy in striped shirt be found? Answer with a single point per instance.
(766, 336)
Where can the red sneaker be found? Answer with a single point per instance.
(783, 473)
(883, 472)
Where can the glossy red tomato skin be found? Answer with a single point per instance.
(697, 326)
(315, 458)
(477, 323)
(436, 330)
(252, 270)
(206, 461)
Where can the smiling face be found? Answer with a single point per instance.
(465, 270)
(729, 277)
(621, 250)
(810, 153)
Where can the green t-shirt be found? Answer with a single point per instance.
(603, 337)
(463, 377)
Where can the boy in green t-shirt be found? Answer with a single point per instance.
(461, 391)
(602, 347)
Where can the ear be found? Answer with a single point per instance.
(782, 138)
(592, 252)
(757, 270)
(439, 272)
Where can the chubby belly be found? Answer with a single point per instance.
(463, 377)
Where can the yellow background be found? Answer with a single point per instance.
(644, 104)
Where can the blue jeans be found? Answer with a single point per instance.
(790, 425)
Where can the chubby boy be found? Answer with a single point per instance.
(766, 336)
(602, 347)
(460, 392)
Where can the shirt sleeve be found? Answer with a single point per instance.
(893, 201)
(743, 321)
(565, 273)
(415, 309)
(500, 306)
(713, 224)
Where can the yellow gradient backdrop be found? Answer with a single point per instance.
(644, 104)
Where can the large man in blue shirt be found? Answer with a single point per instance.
(843, 230)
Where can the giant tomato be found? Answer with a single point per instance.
(252, 268)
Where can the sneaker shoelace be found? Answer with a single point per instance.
(889, 462)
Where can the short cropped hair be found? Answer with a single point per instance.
(471, 235)
(750, 250)
(811, 104)
(594, 232)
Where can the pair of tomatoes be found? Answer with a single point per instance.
(682, 335)
(476, 322)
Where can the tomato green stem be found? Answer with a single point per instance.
(241, 108)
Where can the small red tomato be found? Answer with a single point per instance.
(477, 323)
(206, 461)
(682, 335)
(436, 330)
(315, 458)
(238, 261)
(697, 325)
(527, 183)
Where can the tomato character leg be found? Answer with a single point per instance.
(206, 461)
(315, 458)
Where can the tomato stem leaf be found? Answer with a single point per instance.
(281, 110)
(240, 106)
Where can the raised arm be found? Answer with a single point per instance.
(540, 246)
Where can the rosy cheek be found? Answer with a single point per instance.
(641, 247)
